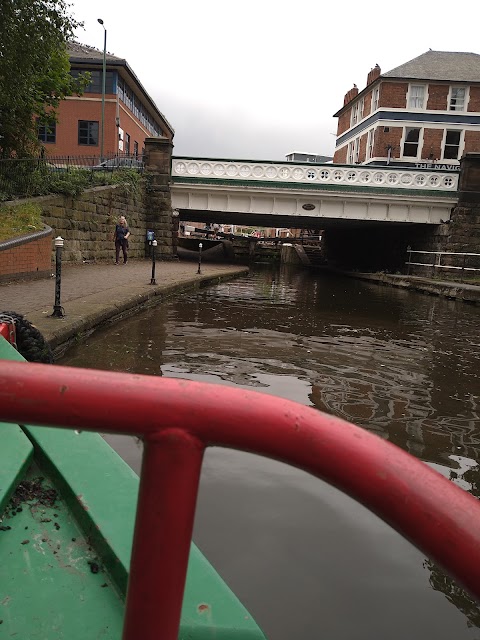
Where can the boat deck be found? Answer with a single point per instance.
(65, 542)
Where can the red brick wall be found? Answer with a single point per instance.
(363, 149)
(437, 96)
(340, 156)
(382, 139)
(474, 101)
(344, 122)
(393, 95)
(89, 107)
(30, 259)
(367, 104)
(432, 144)
(472, 141)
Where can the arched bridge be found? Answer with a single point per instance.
(263, 193)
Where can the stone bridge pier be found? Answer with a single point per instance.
(158, 169)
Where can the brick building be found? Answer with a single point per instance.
(130, 113)
(424, 112)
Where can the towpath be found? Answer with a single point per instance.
(95, 294)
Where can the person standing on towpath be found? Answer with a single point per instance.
(120, 237)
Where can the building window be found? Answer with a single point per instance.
(47, 132)
(416, 97)
(375, 98)
(135, 148)
(96, 81)
(354, 115)
(452, 144)
(88, 132)
(350, 153)
(457, 99)
(411, 142)
(370, 142)
(127, 144)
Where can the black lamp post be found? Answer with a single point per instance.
(104, 75)
(58, 311)
(200, 258)
(154, 244)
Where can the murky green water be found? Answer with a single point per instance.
(307, 561)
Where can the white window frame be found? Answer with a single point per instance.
(356, 150)
(375, 98)
(354, 115)
(420, 143)
(461, 144)
(353, 151)
(370, 144)
(350, 153)
(450, 96)
(411, 96)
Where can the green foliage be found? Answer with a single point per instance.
(33, 177)
(130, 179)
(34, 69)
(19, 220)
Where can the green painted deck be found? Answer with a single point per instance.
(64, 564)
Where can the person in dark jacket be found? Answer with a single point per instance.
(120, 237)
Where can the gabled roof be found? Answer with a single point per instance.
(82, 54)
(440, 65)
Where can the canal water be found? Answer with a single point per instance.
(307, 561)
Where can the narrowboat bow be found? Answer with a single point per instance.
(69, 502)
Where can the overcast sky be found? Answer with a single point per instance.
(258, 79)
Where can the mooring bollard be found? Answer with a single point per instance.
(200, 258)
(154, 244)
(58, 310)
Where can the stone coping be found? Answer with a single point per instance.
(454, 290)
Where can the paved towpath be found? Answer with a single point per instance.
(93, 294)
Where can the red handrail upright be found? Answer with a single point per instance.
(178, 419)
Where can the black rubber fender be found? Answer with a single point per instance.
(30, 342)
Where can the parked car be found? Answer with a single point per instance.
(118, 162)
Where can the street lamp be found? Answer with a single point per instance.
(104, 74)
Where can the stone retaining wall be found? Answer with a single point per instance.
(87, 222)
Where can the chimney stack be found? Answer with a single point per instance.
(350, 95)
(373, 74)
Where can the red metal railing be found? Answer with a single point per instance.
(179, 418)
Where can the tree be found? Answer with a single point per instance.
(34, 69)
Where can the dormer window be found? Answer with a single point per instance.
(457, 99)
(416, 96)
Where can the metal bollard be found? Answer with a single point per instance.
(58, 310)
(200, 258)
(154, 244)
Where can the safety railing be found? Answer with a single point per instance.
(435, 261)
(178, 419)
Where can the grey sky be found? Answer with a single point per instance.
(259, 78)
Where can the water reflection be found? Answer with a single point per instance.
(402, 365)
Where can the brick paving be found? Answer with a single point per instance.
(91, 294)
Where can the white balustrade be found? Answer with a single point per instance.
(327, 174)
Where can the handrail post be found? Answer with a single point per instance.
(171, 467)
(463, 267)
